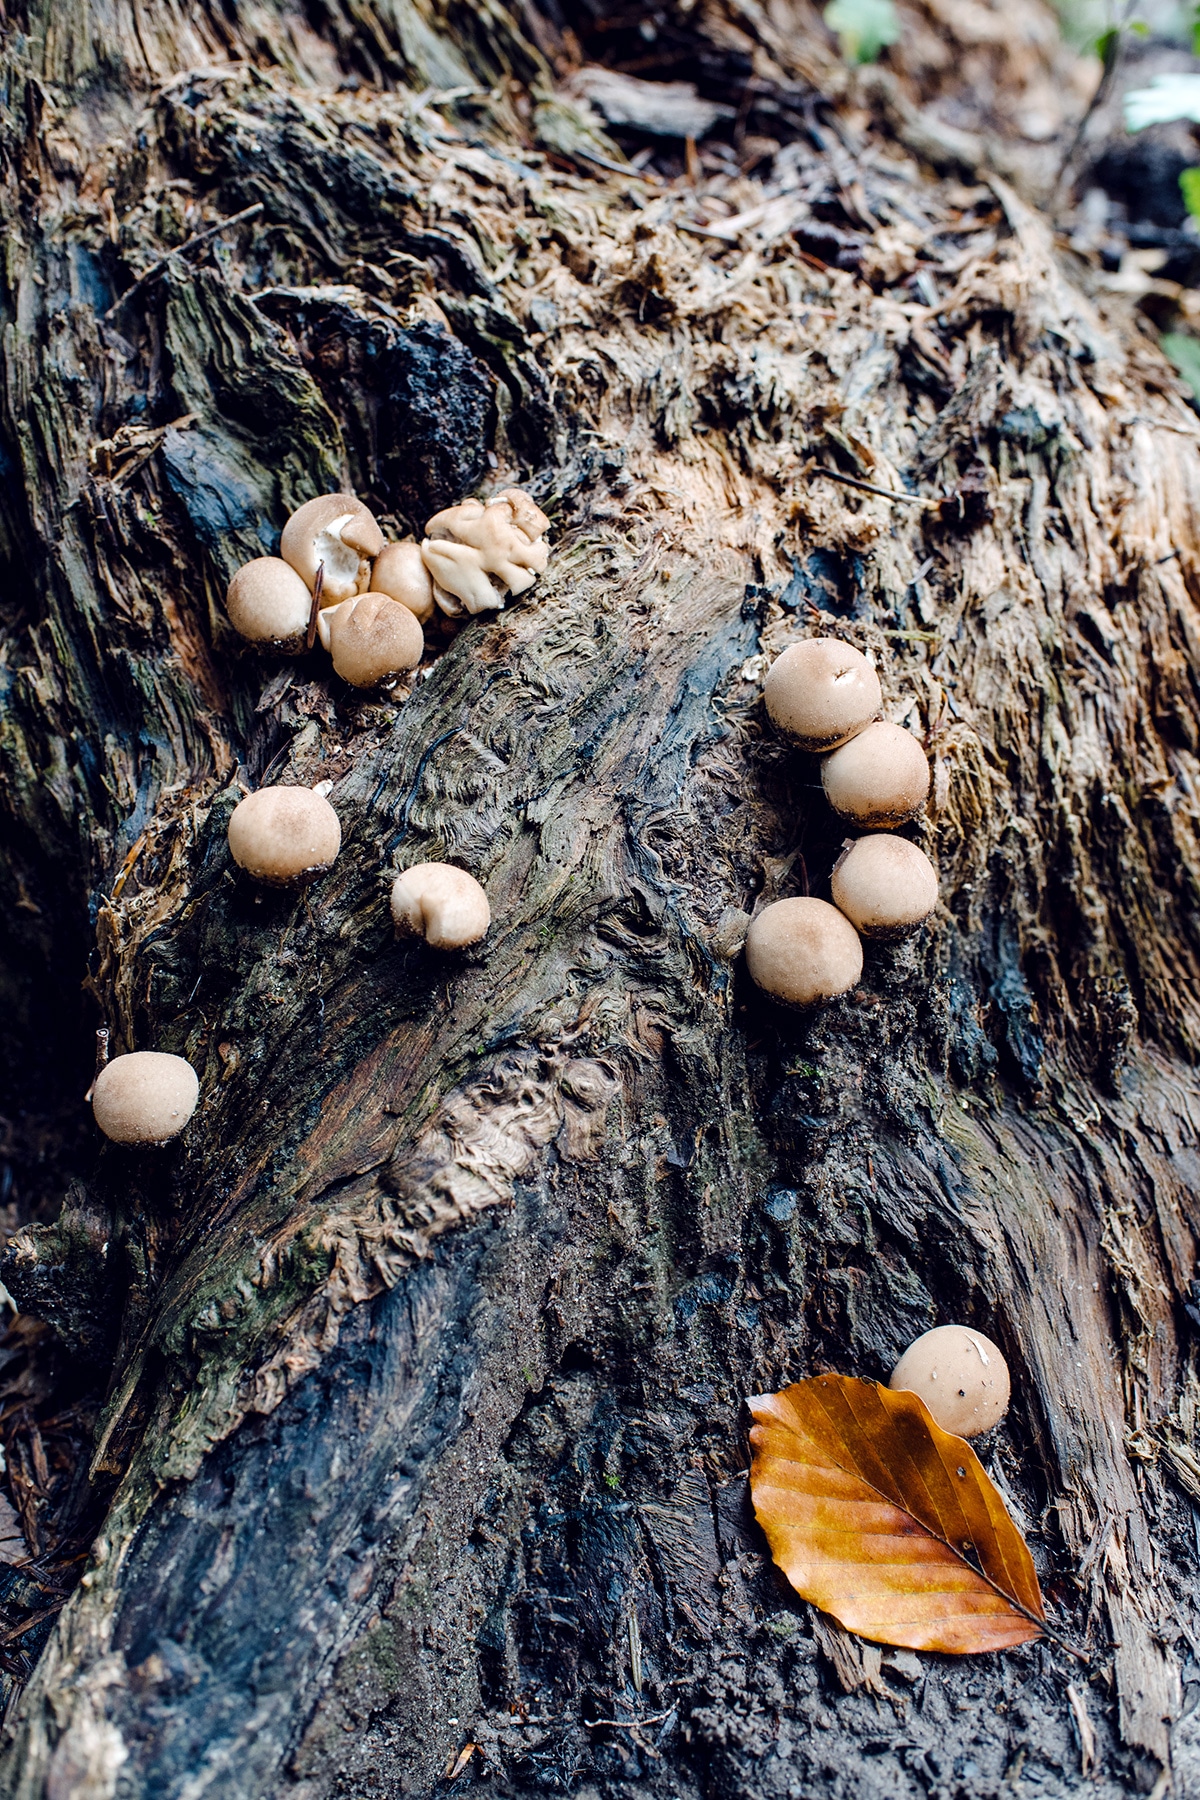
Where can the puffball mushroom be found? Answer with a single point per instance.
(284, 835)
(478, 553)
(821, 693)
(442, 904)
(400, 573)
(269, 604)
(146, 1097)
(960, 1375)
(803, 952)
(879, 779)
(886, 886)
(371, 638)
(337, 534)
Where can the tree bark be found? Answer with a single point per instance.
(422, 1353)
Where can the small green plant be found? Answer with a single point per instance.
(1189, 187)
(864, 27)
(1184, 352)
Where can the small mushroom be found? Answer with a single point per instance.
(338, 536)
(960, 1375)
(146, 1097)
(886, 886)
(879, 779)
(803, 952)
(477, 554)
(284, 835)
(372, 639)
(821, 693)
(269, 604)
(400, 573)
(442, 904)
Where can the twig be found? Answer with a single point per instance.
(101, 1059)
(868, 487)
(626, 1724)
(18, 1631)
(163, 262)
(311, 635)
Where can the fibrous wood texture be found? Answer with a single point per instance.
(422, 1355)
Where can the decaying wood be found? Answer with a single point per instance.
(422, 1354)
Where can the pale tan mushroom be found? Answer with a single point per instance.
(442, 904)
(886, 886)
(803, 952)
(821, 693)
(338, 536)
(879, 779)
(269, 605)
(960, 1375)
(400, 573)
(477, 554)
(284, 836)
(372, 639)
(146, 1097)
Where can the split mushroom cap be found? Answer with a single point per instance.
(879, 779)
(803, 952)
(282, 835)
(442, 904)
(478, 553)
(400, 573)
(335, 533)
(960, 1375)
(821, 693)
(884, 885)
(372, 639)
(269, 604)
(146, 1097)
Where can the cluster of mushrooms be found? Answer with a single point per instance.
(824, 696)
(337, 581)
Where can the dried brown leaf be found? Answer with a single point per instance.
(880, 1517)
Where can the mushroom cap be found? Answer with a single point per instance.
(145, 1097)
(884, 885)
(282, 835)
(400, 573)
(442, 904)
(269, 604)
(371, 638)
(960, 1375)
(879, 779)
(335, 531)
(803, 952)
(477, 553)
(821, 693)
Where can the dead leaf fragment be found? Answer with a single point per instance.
(886, 1521)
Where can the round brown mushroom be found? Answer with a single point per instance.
(146, 1097)
(372, 639)
(879, 779)
(337, 535)
(269, 605)
(886, 886)
(803, 952)
(821, 693)
(442, 904)
(400, 573)
(284, 836)
(960, 1375)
